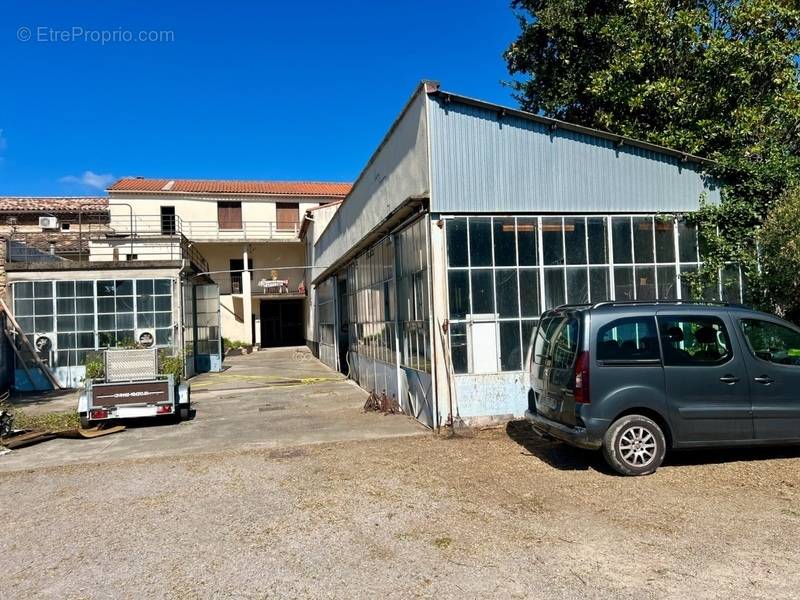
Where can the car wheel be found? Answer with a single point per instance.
(85, 422)
(634, 445)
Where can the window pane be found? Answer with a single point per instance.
(553, 288)
(162, 286)
(125, 321)
(621, 238)
(146, 303)
(687, 241)
(43, 324)
(598, 240)
(480, 241)
(731, 288)
(628, 339)
(163, 303)
(84, 288)
(510, 350)
(65, 306)
(105, 321)
(84, 306)
(552, 244)
(85, 322)
(43, 307)
(577, 286)
(529, 292)
(482, 292)
(598, 283)
(505, 242)
(124, 304)
(528, 241)
(458, 285)
(643, 239)
(65, 289)
(105, 288)
(667, 284)
(144, 286)
(645, 283)
(507, 304)
(458, 347)
(23, 307)
(686, 291)
(623, 284)
(456, 242)
(65, 323)
(43, 289)
(575, 240)
(694, 340)
(105, 305)
(665, 241)
(565, 344)
(528, 328)
(772, 342)
(23, 290)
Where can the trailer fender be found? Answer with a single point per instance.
(183, 394)
(83, 402)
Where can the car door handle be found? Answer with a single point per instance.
(729, 379)
(764, 379)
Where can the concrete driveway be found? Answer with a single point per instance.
(274, 398)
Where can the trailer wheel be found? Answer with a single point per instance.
(85, 422)
(183, 413)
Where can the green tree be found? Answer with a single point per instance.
(718, 78)
(779, 245)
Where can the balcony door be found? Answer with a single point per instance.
(167, 220)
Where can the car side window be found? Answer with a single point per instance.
(772, 342)
(694, 340)
(627, 340)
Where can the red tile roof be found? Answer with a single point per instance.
(228, 186)
(57, 204)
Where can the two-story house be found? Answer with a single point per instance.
(249, 234)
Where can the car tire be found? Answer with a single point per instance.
(634, 445)
(85, 422)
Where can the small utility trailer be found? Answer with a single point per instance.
(132, 388)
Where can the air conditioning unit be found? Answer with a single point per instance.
(48, 222)
(44, 344)
(146, 338)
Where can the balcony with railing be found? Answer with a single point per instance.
(286, 283)
(90, 243)
(229, 230)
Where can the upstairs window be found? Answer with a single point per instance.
(288, 215)
(229, 215)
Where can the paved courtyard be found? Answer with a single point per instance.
(270, 399)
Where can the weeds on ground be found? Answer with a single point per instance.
(47, 422)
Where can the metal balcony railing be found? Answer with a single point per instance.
(208, 231)
(264, 282)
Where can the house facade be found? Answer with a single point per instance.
(469, 220)
(249, 234)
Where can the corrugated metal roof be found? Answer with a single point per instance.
(59, 204)
(230, 186)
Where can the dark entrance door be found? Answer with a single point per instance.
(281, 323)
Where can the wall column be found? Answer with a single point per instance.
(247, 298)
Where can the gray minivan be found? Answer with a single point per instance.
(637, 378)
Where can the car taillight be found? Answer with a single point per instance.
(582, 378)
(164, 409)
(99, 413)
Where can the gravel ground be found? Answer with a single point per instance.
(495, 514)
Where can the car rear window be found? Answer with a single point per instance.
(556, 341)
(628, 339)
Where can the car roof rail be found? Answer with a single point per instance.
(650, 302)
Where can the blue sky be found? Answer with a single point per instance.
(245, 89)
